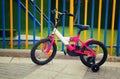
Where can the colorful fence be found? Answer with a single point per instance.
(86, 8)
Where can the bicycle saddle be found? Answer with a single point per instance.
(82, 27)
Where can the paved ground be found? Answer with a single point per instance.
(24, 68)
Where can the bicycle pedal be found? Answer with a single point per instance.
(64, 53)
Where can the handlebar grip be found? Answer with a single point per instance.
(60, 13)
(70, 14)
(67, 13)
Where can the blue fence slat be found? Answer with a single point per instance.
(92, 18)
(19, 23)
(78, 15)
(49, 15)
(118, 37)
(106, 21)
(78, 21)
(3, 24)
(63, 22)
(34, 24)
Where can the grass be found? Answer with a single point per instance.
(45, 34)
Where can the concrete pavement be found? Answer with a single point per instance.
(24, 68)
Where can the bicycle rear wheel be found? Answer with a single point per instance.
(38, 54)
(100, 57)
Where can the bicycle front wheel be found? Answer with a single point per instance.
(38, 54)
(100, 54)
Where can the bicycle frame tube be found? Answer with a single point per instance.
(51, 37)
(65, 41)
(58, 34)
(85, 52)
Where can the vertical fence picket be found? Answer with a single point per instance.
(41, 19)
(19, 24)
(71, 18)
(106, 21)
(99, 18)
(63, 22)
(92, 18)
(78, 10)
(112, 27)
(34, 24)
(11, 24)
(3, 25)
(26, 15)
(56, 15)
(85, 17)
(99, 22)
(49, 15)
(118, 37)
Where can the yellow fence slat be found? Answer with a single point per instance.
(41, 19)
(71, 18)
(11, 24)
(85, 17)
(99, 22)
(112, 27)
(26, 15)
(56, 16)
(99, 18)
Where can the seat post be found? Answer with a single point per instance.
(79, 31)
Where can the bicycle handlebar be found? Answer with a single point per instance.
(62, 13)
(67, 13)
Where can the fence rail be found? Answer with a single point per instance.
(107, 13)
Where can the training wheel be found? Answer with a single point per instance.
(95, 68)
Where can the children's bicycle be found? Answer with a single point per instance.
(92, 53)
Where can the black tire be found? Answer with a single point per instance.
(35, 53)
(86, 60)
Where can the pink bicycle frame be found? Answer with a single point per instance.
(74, 39)
(51, 37)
